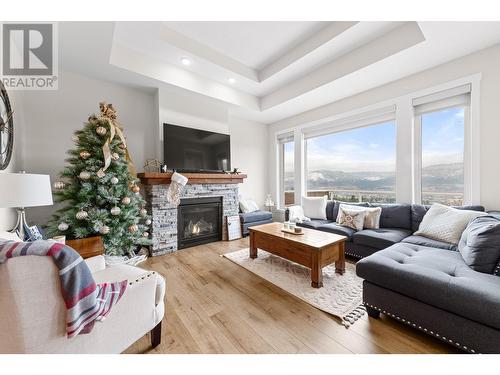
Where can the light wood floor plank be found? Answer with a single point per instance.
(216, 306)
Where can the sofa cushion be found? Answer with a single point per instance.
(248, 205)
(352, 218)
(329, 210)
(394, 215)
(380, 238)
(445, 223)
(337, 204)
(424, 241)
(372, 215)
(436, 277)
(251, 217)
(335, 228)
(313, 224)
(314, 207)
(480, 244)
(418, 212)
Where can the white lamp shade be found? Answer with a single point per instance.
(25, 190)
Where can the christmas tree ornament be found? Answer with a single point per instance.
(148, 221)
(84, 154)
(84, 175)
(115, 211)
(100, 173)
(104, 229)
(123, 146)
(101, 130)
(145, 234)
(143, 212)
(175, 189)
(133, 228)
(114, 180)
(93, 119)
(126, 200)
(63, 226)
(58, 185)
(82, 215)
(115, 156)
(136, 189)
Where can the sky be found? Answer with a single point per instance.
(373, 148)
(443, 137)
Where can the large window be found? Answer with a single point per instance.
(441, 122)
(287, 169)
(442, 176)
(356, 165)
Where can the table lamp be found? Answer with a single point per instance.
(20, 190)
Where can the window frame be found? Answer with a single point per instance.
(380, 119)
(281, 141)
(441, 104)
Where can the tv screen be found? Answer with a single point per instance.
(193, 150)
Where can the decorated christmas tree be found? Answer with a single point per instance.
(99, 189)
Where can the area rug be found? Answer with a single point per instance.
(340, 296)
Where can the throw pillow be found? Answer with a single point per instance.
(445, 223)
(351, 218)
(480, 244)
(314, 207)
(248, 205)
(296, 214)
(372, 215)
(9, 236)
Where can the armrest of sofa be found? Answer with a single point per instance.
(96, 263)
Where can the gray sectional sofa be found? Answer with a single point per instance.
(250, 219)
(398, 222)
(421, 282)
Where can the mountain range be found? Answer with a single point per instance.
(439, 177)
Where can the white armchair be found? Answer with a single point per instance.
(33, 314)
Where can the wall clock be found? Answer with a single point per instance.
(6, 129)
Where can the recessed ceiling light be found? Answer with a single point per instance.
(185, 61)
(231, 80)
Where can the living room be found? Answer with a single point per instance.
(319, 185)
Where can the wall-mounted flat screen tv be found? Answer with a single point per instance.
(193, 150)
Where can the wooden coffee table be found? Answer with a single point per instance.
(313, 249)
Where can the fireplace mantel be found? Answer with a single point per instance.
(155, 178)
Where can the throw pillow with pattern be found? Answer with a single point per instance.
(351, 218)
(372, 215)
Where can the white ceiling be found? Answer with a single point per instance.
(280, 68)
(255, 44)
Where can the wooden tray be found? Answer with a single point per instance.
(292, 232)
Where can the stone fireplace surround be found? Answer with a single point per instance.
(164, 215)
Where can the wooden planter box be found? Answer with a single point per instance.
(87, 247)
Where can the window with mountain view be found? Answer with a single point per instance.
(443, 156)
(288, 172)
(357, 165)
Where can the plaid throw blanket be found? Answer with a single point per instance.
(86, 301)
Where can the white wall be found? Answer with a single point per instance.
(7, 215)
(248, 139)
(485, 62)
(249, 155)
(51, 117)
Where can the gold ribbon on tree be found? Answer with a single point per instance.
(108, 114)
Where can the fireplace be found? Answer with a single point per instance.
(199, 221)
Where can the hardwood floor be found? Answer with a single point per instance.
(216, 306)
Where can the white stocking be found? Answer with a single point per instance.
(175, 189)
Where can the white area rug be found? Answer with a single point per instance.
(341, 295)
